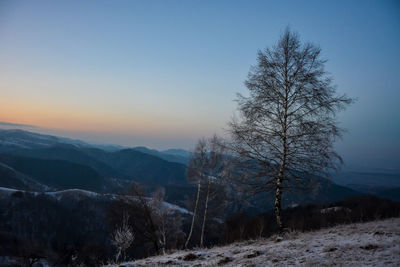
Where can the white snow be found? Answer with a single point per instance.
(364, 244)
(335, 209)
(7, 191)
(176, 208)
(78, 194)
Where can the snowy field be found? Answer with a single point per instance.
(365, 244)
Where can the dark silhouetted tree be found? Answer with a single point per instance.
(287, 126)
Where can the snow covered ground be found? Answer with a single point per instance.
(365, 244)
(79, 194)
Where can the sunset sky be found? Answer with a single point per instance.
(164, 73)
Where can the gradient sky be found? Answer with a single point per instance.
(164, 73)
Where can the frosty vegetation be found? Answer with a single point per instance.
(367, 244)
(122, 238)
(287, 125)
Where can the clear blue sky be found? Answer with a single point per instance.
(164, 73)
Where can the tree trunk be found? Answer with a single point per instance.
(205, 213)
(149, 217)
(163, 235)
(279, 178)
(164, 243)
(277, 209)
(117, 255)
(278, 194)
(153, 229)
(194, 214)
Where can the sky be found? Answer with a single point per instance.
(164, 73)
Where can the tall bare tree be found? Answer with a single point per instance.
(287, 126)
(215, 169)
(207, 167)
(149, 227)
(195, 174)
(168, 221)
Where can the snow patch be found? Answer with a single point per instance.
(335, 209)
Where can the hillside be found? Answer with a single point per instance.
(171, 155)
(62, 226)
(11, 139)
(320, 191)
(149, 166)
(11, 178)
(144, 167)
(79, 195)
(365, 244)
(56, 173)
(70, 153)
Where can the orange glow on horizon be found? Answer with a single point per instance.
(80, 119)
(50, 116)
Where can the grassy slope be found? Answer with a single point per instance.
(365, 244)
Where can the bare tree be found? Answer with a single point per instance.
(260, 226)
(122, 237)
(195, 174)
(168, 221)
(287, 126)
(160, 213)
(206, 166)
(214, 171)
(149, 227)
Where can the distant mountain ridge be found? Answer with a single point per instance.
(168, 155)
(57, 173)
(378, 183)
(34, 155)
(35, 161)
(143, 167)
(11, 178)
(17, 138)
(11, 139)
(177, 152)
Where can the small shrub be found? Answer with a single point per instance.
(369, 247)
(224, 260)
(190, 257)
(253, 255)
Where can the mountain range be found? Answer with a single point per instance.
(62, 163)
(38, 162)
